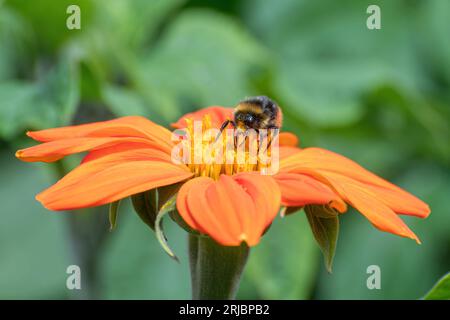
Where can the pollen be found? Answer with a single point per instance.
(210, 153)
(243, 237)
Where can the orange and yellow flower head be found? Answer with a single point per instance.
(230, 202)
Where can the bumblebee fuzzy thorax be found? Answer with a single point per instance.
(257, 113)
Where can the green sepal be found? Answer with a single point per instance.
(175, 216)
(166, 193)
(148, 204)
(153, 205)
(145, 206)
(324, 222)
(113, 212)
(168, 206)
(285, 211)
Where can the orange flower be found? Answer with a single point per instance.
(230, 203)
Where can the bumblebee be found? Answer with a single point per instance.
(255, 113)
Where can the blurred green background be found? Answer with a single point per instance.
(380, 97)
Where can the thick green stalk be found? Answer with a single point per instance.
(215, 270)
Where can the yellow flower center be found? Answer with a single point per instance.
(209, 153)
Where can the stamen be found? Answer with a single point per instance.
(234, 159)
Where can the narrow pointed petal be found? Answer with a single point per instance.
(232, 209)
(372, 207)
(55, 150)
(400, 201)
(109, 179)
(323, 163)
(94, 166)
(122, 147)
(218, 116)
(298, 190)
(132, 126)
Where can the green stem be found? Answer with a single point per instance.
(215, 270)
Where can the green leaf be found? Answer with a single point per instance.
(48, 21)
(219, 59)
(17, 44)
(325, 227)
(168, 206)
(138, 20)
(30, 236)
(433, 24)
(126, 102)
(326, 59)
(17, 111)
(50, 102)
(113, 212)
(441, 290)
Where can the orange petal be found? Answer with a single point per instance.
(265, 194)
(182, 206)
(286, 151)
(95, 165)
(232, 209)
(55, 150)
(206, 217)
(121, 147)
(132, 126)
(288, 139)
(321, 159)
(218, 116)
(109, 179)
(323, 163)
(372, 207)
(298, 190)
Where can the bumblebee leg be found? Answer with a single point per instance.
(277, 131)
(261, 139)
(246, 136)
(224, 125)
(237, 134)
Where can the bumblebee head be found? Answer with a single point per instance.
(245, 119)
